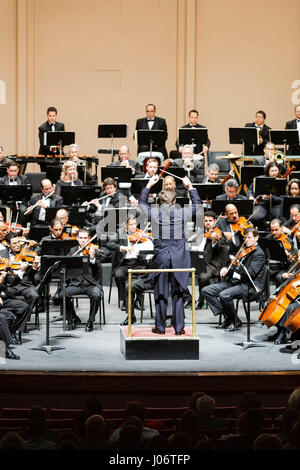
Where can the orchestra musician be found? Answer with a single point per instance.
(281, 335)
(56, 230)
(193, 122)
(233, 227)
(4, 161)
(292, 226)
(220, 296)
(151, 121)
(12, 178)
(267, 205)
(88, 283)
(6, 318)
(38, 203)
(231, 191)
(192, 165)
(73, 155)
(212, 174)
(3, 245)
(259, 124)
(268, 155)
(293, 188)
(68, 177)
(294, 124)
(124, 160)
(51, 125)
(70, 230)
(278, 270)
(151, 168)
(126, 244)
(170, 251)
(214, 247)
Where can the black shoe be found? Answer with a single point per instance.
(123, 308)
(187, 303)
(199, 304)
(11, 355)
(125, 322)
(282, 338)
(157, 331)
(137, 304)
(89, 326)
(224, 325)
(233, 327)
(276, 335)
(181, 332)
(17, 340)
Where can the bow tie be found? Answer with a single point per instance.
(150, 120)
(298, 120)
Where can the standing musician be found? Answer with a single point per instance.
(151, 121)
(193, 122)
(220, 296)
(88, 283)
(278, 270)
(267, 205)
(233, 227)
(193, 166)
(259, 124)
(294, 124)
(4, 161)
(29, 262)
(68, 177)
(51, 125)
(215, 250)
(170, 251)
(292, 226)
(126, 244)
(231, 191)
(39, 203)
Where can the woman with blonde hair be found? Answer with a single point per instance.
(68, 177)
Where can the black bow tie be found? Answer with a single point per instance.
(150, 120)
(298, 120)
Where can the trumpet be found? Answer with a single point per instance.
(188, 164)
(279, 158)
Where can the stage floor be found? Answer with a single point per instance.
(100, 351)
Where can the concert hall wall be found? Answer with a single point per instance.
(101, 61)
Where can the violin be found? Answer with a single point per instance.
(138, 238)
(25, 255)
(284, 240)
(216, 230)
(7, 265)
(241, 225)
(86, 250)
(246, 252)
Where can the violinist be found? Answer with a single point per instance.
(70, 230)
(125, 244)
(233, 227)
(220, 296)
(88, 283)
(215, 250)
(267, 205)
(278, 270)
(38, 203)
(56, 230)
(24, 278)
(292, 226)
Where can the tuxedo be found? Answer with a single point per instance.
(159, 124)
(236, 241)
(294, 149)
(55, 201)
(20, 180)
(197, 126)
(196, 174)
(254, 149)
(46, 127)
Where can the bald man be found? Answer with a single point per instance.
(41, 201)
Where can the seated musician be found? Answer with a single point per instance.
(70, 230)
(292, 226)
(231, 191)
(68, 177)
(233, 227)
(25, 274)
(268, 155)
(192, 165)
(151, 168)
(267, 205)
(293, 188)
(3, 244)
(279, 270)
(220, 296)
(281, 335)
(6, 318)
(88, 283)
(126, 246)
(254, 149)
(38, 203)
(215, 250)
(56, 230)
(14, 179)
(74, 157)
(4, 161)
(212, 174)
(124, 160)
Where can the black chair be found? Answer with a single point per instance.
(102, 320)
(35, 180)
(224, 164)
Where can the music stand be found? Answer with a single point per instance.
(295, 174)
(37, 232)
(177, 172)
(76, 195)
(121, 174)
(60, 138)
(44, 288)
(57, 247)
(287, 202)
(273, 249)
(208, 191)
(150, 137)
(244, 206)
(12, 193)
(243, 135)
(112, 131)
(198, 261)
(76, 266)
(248, 173)
(137, 184)
(53, 172)
(195, 136)
(267, 185)
(284, 137)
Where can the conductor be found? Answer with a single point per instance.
(170, 251)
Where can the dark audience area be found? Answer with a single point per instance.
(199, 424)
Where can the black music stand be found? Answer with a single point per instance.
(76, 195)
(207, 192)
(248, 173)
(243, 135)
(195, 136)
(57, 247)
(11, 193)
(112, 131)
(244, 206)
(295, 174)
(274, 250)
(53, 172)
(137, 184)
(37, 232)
(75, 265)
(60, 138)
(177, 173)
(284, 137)
(150, 137)
(121, 174)
(267, 185)
(287, 202)
(198, 261)
(44, 288)
(76, 215)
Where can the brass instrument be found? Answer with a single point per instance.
(188, 165)
(279, 158)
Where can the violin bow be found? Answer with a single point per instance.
(142, 233)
